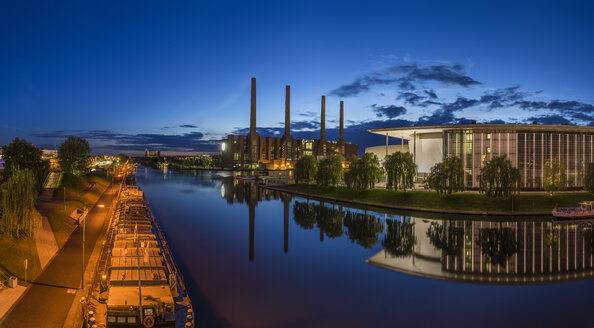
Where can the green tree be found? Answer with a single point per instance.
(447, 176)
(400, 170)
(330, 170)
(499, 178)
(364, 172)
(18, 199)
(305, 169)
(554, 176)
(589, 177)
(74, 155)
(20, 154)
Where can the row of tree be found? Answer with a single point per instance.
(23, 178)
(497, 178)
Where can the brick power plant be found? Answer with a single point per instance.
(273, 153)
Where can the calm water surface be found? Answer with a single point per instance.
(254, 258)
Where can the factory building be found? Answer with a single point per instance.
(273, 153)
(528, 146)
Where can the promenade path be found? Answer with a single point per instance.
(46, 243)
(47, 302)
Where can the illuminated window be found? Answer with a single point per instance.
(488, 150)
(111, 319)
(488, 136)
(131, 319)
(121, 319)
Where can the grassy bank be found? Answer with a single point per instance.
(59, 219)
(14, 252)
(466, 202)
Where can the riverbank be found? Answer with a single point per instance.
(427, 201)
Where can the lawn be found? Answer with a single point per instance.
(471, 202)
(14, 252)
(59, 219)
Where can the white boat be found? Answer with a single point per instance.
(585, 211)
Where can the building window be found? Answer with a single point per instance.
(488, 136)
(488, 150)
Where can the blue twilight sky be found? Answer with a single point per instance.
(175, 76)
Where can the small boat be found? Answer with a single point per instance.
(585, 211)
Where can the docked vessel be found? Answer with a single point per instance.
(139, 282)
(584, 211)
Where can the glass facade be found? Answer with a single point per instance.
(529, 150)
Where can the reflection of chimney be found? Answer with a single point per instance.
(286, 203)
(288, 112)
(252, 202)
(341, 128)
(323, 120)
(253, 108)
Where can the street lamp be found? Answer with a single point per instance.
(84, 220)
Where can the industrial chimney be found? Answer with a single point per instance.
(341, 127)
(253, 135)
(323, 120)
(288, 112)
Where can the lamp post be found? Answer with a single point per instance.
(84, 221)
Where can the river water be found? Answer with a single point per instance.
(257, 258)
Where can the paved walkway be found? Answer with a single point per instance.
(46, 303)
(8, 296)
(46, 242)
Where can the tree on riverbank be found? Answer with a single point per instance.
(589, 177)
(364, 172)
(554, 176)
(447, 176)
(74, 155)
(18, 197)
(400, 170)
(499, 178)
(330, 171)
(20, 154)
(306, 169)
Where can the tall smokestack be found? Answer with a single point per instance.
(288, 111)
(341, 128)
(323, 120)
(253, 107)
(253, 135)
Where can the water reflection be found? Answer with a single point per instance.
(497, 250)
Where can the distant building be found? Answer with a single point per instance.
(51, 155)
(254, 151)
(527, 146)
(152, 153)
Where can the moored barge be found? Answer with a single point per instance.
(139, 284)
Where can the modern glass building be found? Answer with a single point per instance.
(528, 146)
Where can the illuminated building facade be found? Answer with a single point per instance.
(528, 146)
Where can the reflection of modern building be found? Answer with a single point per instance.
(527, 146)
(254, 151)
(496, 252)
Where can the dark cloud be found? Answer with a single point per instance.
(430, 93)
(390, 111)
(446, 74)
(410, 98)
(407, 77)
(192, 141)
(189, 126)
(548, 119)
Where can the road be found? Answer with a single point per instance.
(47, 302)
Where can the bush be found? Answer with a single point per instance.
(306, 169)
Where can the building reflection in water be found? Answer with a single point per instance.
(494, 251)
